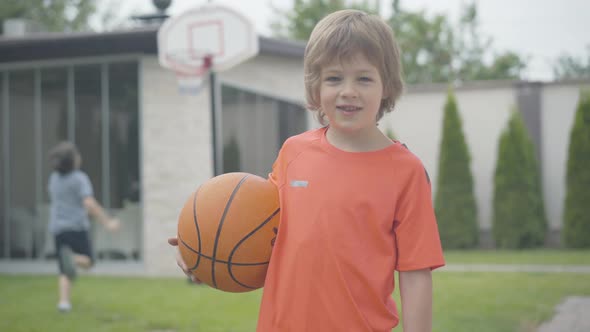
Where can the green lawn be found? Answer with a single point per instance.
(479, 302)
(541, 256)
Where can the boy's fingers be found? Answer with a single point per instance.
(173, 241)
(182, 266)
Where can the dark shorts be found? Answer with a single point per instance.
(78, 241)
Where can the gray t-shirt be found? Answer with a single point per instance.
(67, 193)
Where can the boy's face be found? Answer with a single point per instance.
(350, 94)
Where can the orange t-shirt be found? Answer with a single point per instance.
(348, 220)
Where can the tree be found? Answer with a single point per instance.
(435, 51)
(576, 219)
(569, 67)
(432, 49)
(519, 219)
(298, 23)
(454, 201)
(472, 48)
(51, 15)
(426, 46)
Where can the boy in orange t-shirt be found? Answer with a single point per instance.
(355, 206)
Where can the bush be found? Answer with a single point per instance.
(518, 211)
(576, 220)
(454, 203)
(231, 156)
(389, 133)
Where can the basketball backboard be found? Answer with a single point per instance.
(210, 37)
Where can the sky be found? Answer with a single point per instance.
(538, 30)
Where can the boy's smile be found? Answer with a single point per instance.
(350, 94)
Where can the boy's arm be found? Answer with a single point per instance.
(98, 213)
(416, 297)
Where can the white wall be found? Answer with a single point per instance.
(269, 75)
(559, 104)
(485, 114)
(417, 122)
(177, 145)
(176, 158)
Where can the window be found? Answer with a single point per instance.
(22, 161)
(94, 105)
(254, 127)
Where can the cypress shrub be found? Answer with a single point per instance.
(519, 219)
(231, 156)
(454, 202)
(576, 219)
(389, 133)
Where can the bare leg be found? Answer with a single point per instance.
(64, 291)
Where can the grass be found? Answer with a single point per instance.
(482, 302)
(541, 256)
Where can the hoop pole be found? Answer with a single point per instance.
(215, 126)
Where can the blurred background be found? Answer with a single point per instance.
(496, 106)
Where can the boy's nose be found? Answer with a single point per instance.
(348, 90)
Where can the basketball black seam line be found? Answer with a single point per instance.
(197, 228)
(218, 260)
(229, 260)
(227, 206)
(198, 251)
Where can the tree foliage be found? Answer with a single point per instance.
(433, 49)
(576, 219)
(570, 67)
(519, 219)
(454, 202)
(298, 23)
(50, 15)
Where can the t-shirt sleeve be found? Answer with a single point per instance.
(415, 227)
(85, 186)
(277, 176)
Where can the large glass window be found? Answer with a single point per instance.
(54, 129)
(124, 158)
(22, 193)
(254, 127)
(96, 106)
(4, 154)
(87, 96)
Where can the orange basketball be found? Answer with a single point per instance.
(226, 231)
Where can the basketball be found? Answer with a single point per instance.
(226, 230)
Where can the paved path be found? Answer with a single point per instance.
(572, 315)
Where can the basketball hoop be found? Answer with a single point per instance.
(191, 79)
(210, 37)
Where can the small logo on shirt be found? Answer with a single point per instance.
(299, 183)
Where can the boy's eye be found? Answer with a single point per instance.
(365, 79)
(332, 79)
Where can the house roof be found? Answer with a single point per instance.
(35, 47)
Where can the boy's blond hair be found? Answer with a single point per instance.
(341, 36)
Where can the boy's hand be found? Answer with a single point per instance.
(173, 241)
(113, 225)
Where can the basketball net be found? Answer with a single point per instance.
(191, 82)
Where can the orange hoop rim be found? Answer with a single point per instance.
(187, 70)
